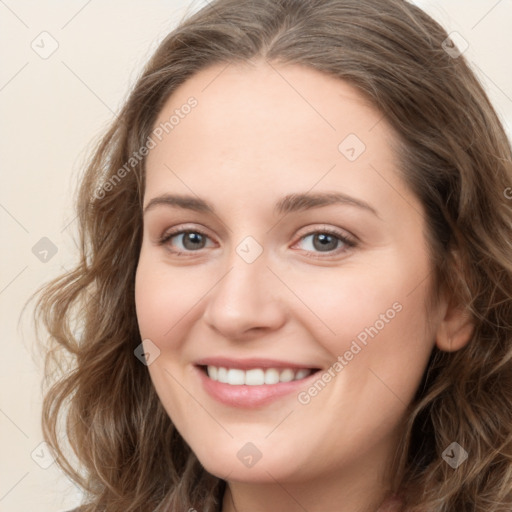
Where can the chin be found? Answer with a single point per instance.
(241, 462)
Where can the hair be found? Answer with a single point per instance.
(454, 156)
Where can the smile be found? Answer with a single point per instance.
(255, 376)
(251, 383)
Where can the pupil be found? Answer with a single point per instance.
(193, 241)
(324, 242)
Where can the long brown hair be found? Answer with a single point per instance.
(454, 155)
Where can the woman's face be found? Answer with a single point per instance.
(304, 258)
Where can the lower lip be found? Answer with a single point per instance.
(244, 396)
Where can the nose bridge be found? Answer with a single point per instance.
(244, 298)
(247, 266)
(246, 282)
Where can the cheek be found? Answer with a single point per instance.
(164, 301)
(359, 303)
(374, 317)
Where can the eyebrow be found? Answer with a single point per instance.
(290, 203)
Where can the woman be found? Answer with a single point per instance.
(294, 286)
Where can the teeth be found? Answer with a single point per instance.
(236, 377)
(271, 376)
(301, 374)
(222, 375)
(213, 372)
(255, 376)
(287, 375)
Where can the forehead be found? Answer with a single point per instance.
(261, 128)
(258, 100)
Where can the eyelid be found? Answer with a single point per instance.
(347, 240)
(345, 237)
(179, 230)
(325, 228)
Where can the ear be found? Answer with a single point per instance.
(455, 329)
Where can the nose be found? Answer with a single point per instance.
(246, 301)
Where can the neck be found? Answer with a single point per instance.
(266, 498)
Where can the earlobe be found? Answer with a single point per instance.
(456, 324)
(455, 330)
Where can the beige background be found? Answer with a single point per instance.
(51, 110)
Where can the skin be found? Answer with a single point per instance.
(258, 133)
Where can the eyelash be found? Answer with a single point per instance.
(348, 241)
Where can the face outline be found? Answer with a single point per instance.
(261, 140)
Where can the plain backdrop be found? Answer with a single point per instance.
(66, 69)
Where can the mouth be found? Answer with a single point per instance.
(252, 383)
(255, 376)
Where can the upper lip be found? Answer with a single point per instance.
(250, 363)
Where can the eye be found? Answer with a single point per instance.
(322, 241)
(185, 240)
(326, 241)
